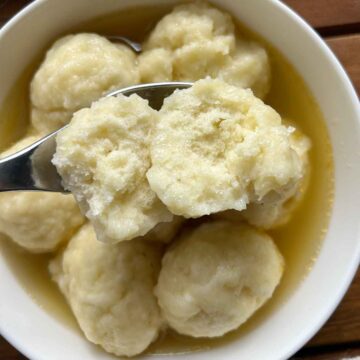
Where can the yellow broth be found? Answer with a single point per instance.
(299, 240)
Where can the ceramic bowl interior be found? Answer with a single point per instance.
(39, 336)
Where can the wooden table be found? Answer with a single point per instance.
(338, 21)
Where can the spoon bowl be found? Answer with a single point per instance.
(32, 169)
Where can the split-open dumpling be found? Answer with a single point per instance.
(103, 156)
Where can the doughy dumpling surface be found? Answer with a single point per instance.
(155, 65)
(103, 156)
(191, 23)
(77, 70)
(217, 147)
(214, 277)
(197, 40)
(249, 67)
(277, 210)
(37, 221)
(165, 232)
(110, 290)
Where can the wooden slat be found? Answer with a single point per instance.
(347, 48)
(319, 13)
(8, 8)
(330, 354)
(327, 13)
(7, 352)
(344, 325)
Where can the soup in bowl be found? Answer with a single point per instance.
(310, 254)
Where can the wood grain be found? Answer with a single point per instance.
(344, 324)
(319, 13)
(7, 352)
(340, 337)
(8, 8)
(327, 13)
(328, 354)
(347, 49)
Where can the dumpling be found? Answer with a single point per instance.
(110, 290)
(201, 44)
(165, 232)
(77, 70)
(103, 156)
(277, 210)
(214, 277)
(37, 221)
(218, 147)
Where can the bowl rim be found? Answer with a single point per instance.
(353, 265)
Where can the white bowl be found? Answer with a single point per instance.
(39, 336)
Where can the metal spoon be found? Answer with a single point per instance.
(132, 44)
(32, 169)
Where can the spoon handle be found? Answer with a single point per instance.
(31, 168)
(15, 172)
